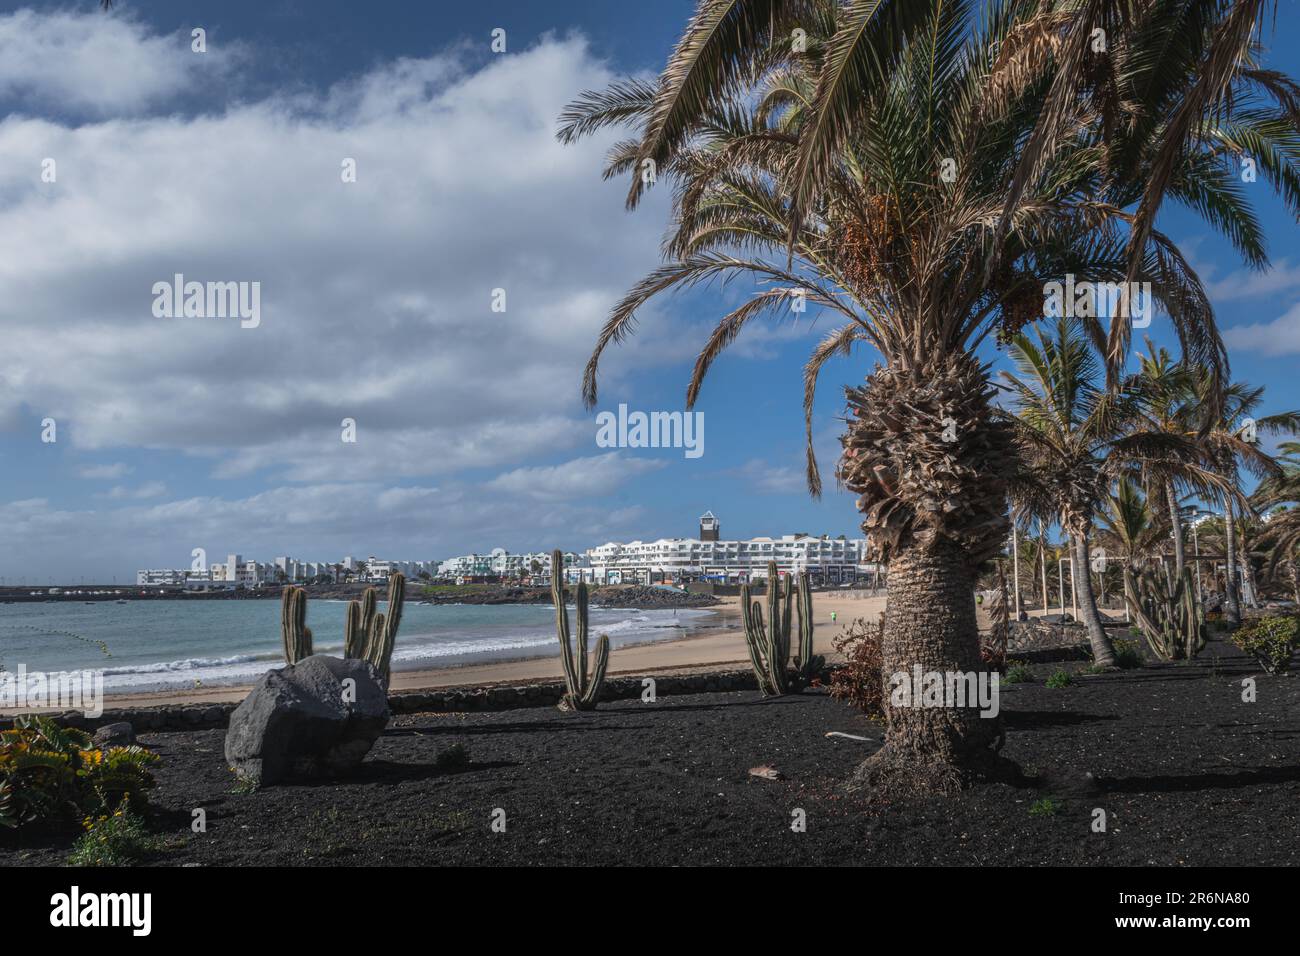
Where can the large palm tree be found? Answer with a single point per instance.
(1129, 528)
(1171, 407)
(1230, 434)
(1164, 81)
(866, 173)
(1075, 438)
(1278, 499)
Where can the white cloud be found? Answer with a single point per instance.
(150, 489)
(118, 469)
(769, 479)
(313, 522)
(580, 478)
(1251, 283)
(375, 295)
(1278, 337)
(90, 64)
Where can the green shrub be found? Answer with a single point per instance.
(455, 757)
(51, 774)
(1046, 807)
(1060, 679)
(1270, 640)
(1128, 653)
(116, 840)
(1017, 673)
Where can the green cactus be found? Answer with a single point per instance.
(1168, 613)
(769, 645)
(294, 631)
(367, 634)
(356, 626)
(807, 665)
(354, 635)
(381, 635)
(583, 689)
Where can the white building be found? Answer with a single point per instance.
(832, 560)
(501, 563)
(159, 576)
(173, 577)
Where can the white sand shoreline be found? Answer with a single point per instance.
(717, 642)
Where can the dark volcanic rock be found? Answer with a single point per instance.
(298, 722)
(120, 734)
(629, 596)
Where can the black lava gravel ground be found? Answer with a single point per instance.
(1185, 770)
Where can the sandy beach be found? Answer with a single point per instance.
(719, 643)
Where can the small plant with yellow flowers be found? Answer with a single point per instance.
(51, 774)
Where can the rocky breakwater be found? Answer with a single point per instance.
(629, 596)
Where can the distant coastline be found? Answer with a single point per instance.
(625, 596)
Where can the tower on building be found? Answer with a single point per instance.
(709, 528)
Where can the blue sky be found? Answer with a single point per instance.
(181, 433)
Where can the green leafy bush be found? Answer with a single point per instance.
(1017, 673)
(119, 839)
(52, 774)
(1270, 640)
(1046, 807)
(1060, 679)
(1128, 653)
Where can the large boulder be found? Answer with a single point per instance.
(304, 721)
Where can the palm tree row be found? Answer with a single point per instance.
(922, 169)
(1115, 457)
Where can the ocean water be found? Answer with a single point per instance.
(162, 645)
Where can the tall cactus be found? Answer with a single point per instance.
(808, 665)
(1168, 614)
(769, 644)
(294, 632)
(583, 690)
(354, 635)
(367, 634)
(381, 636)
(356, 626)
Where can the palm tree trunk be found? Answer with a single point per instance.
(902, 472)
(1042, 562)
(1248, 571)
(1231, 606)
(1175, 523)
(930, 623)
(1295, 581)
(1103, 654)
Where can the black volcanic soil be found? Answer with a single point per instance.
(1187, 774)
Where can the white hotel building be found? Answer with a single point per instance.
(709, 558)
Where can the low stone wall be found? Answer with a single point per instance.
(450, 700)
(1040, 642)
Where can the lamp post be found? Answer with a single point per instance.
(1074, 594)
(1196, 560)
(1197, 513)
(1015, 568)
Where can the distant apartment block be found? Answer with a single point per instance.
(709, 558)
(235, 571)
(706, 558)
(501, 563)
